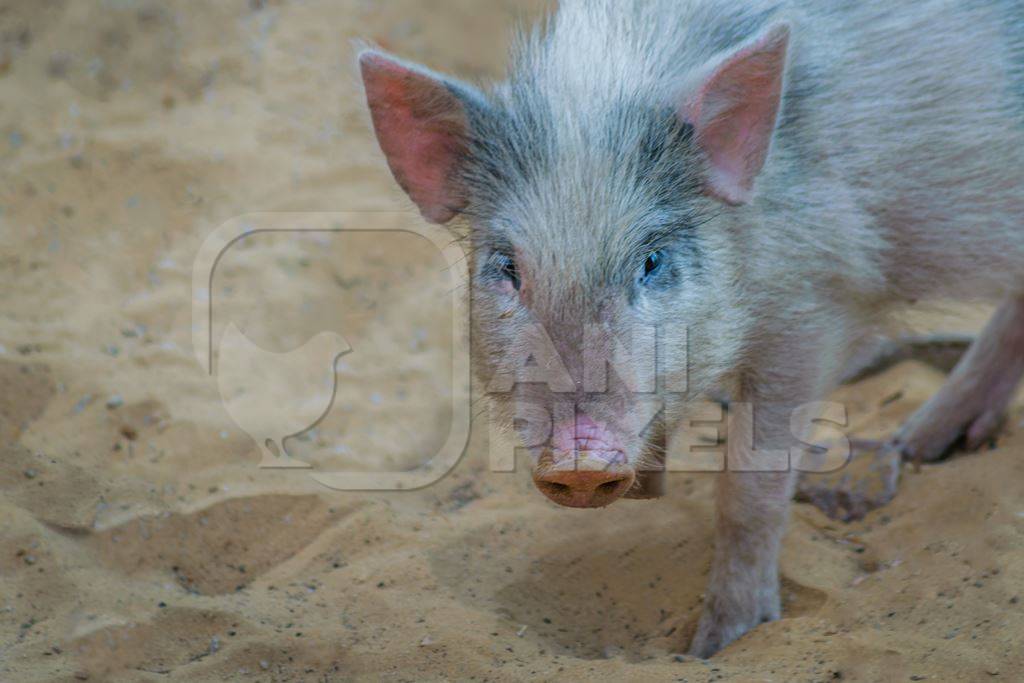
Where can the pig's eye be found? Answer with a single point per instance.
(505, 267)
(652, 266)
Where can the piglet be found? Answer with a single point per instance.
(670, 200)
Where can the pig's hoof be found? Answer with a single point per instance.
(971, 404)
(972, 418)
(869, 481)
(719, 627)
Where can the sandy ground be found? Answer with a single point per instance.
(139, 539)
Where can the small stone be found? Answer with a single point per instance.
(30, 473)
(264, 664)
(115, 402)
(82, 404)
(427, 640)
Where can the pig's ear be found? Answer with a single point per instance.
(422, 126)
(734, 112)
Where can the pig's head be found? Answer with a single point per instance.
(607, 280)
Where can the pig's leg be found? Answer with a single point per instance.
(972, 401)
(871, 478)
(743, 588)
(941, 351)
(970, 404)
(751, 505)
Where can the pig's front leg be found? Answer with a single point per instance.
(743, 589)
(751, 506)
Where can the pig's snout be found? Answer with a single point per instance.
(579, 488)
(585, 468)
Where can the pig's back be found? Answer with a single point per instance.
(914, 107)
(923, 116)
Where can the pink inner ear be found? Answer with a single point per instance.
(421, 128)
(734, 114)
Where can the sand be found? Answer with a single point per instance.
(141, 541)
